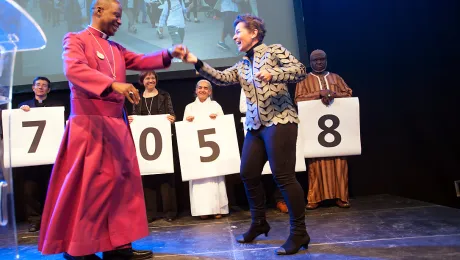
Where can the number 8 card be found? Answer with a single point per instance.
(330, 131)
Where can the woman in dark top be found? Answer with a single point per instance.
(271, 121)
(155, 101)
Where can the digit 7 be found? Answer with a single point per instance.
(38, 135)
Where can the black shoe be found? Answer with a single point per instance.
(257, 228)
(169, 219)
(293, 244)
(86, 257)
(127, 253)
(34, 227)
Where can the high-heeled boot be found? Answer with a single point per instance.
(293, 244)
(258, 227)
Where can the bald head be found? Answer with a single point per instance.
(318, 61)
(317, 54)
(102, 3)
(106, 15)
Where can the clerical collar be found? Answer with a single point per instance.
(40, 100)
(98, 32)
(250, 52)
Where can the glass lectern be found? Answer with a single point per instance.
(18, 32)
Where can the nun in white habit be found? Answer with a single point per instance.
(208, 196)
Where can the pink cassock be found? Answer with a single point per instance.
(95, 201)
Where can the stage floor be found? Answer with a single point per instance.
(375, 227)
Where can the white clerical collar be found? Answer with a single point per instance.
(103, 35)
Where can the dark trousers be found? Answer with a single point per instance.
(32, 184)
(177, 34)
(160, 185)
(194, 9)
(276, 143)
(277, 195)
(154, 13)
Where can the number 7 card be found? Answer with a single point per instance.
(35, 135)
(330, 131)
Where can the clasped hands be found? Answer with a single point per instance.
(327, 96)
(262, 75)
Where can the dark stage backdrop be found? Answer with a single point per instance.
(401, 59)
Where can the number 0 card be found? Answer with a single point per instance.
(332, 130)
(208, 148)
(35, 135)
(152, 138)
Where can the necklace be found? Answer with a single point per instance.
(112, 70)
(151, 102)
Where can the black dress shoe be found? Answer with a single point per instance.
(86, 257)
(293, 244)
(34, 227)
(257, 228)
(127, 254)
(169, 219)
(151, 219)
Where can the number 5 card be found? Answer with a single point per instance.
(332, 130)
(208, 148)
(35, 135)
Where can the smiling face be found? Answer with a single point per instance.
(203, 90)
(150, 82)
(41, 88)
(244, 38)
(109, 16)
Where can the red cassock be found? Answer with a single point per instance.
(95, 201)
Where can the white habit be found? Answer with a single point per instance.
(208, 196)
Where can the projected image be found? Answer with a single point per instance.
(204, 26)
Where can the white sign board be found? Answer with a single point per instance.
(208, 148)
(35, 135)
(152, 138)
(300, 165)
(330, 131)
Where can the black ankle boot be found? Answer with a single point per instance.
(86, 257)
(293, 244)
(257, 228)
(127, 253)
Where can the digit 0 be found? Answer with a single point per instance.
(143, 144)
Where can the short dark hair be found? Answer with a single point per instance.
(252, 23)
(144, 74)
(42, 78)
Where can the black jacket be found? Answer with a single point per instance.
(164, 104)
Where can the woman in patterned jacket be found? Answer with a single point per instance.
(271, 121)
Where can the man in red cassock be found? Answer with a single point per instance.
(95, 201)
